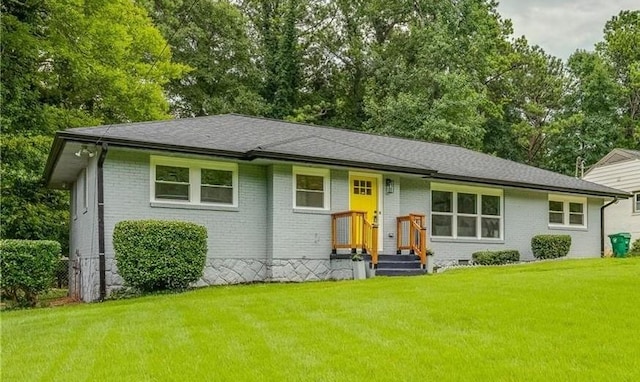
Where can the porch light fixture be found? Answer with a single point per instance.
(388, 185)
(85, 151)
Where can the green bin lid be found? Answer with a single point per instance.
(626, 235)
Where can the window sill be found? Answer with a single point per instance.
(465, 240)
(568, 228)
(194, 206)
(311, 211)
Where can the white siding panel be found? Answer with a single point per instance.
(619, 217)
(623, 176)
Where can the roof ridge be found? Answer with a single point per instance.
(278, 143)
(367, 132)
(379, 153)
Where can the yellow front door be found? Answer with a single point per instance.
(364, 196)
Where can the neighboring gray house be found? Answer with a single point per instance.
(283, 201)
(620, 169)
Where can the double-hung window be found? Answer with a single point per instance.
(196, 182)
(636, 202)
(311, 188)
(172, 183)
(567, 211)
(466, 212)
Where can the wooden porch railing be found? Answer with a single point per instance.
(412, 235)
(350, 229)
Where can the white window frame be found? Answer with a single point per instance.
(479, 192)
(565, 200)
(195, 166)
(635, 205)
(326, 185)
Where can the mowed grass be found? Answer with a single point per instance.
(575, 320)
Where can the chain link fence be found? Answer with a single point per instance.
(61, 277)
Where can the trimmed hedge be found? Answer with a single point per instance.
(158, 255)
(635, 249)
(28, 268)
(496, 257)
(550, 246)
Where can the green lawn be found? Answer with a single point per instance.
(573, 320)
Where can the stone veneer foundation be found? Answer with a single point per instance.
(239, 271)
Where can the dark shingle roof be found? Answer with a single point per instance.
(250, 137)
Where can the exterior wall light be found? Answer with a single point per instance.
(389, 186)
(85, 151)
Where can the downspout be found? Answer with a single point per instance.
(101, 257)
(615, 200)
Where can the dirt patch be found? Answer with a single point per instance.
(62, 301)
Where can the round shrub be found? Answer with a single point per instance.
(635, 248)
(550, 246)
(158, 255)
(28, 268)
(496, 257)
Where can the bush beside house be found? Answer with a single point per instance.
(550, 246)
(28, 268)
(635, 248)
(496, 257)
(157, 255)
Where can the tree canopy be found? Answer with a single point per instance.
(448, 72)
(69, 64)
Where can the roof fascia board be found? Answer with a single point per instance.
(54, 156)
(153, 145)
(530, 186)
(63, 136)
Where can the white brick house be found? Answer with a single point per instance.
(282, 201)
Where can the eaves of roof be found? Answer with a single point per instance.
(278, 151)
(250, 155)
(530, 186)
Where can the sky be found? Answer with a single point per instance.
(562, 26)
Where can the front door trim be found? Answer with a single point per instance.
(378, 177)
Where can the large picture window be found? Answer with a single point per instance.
(466, 212)
(186, 181)
(567, 211)
(311, 188)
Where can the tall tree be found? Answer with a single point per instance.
(602, 103)
(72, 63)
(212, 38)
(621, 49)
(430, 78)
(589, 127)
(538, 85)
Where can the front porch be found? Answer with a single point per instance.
(353, 236)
